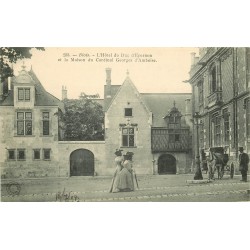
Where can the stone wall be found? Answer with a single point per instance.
(29, 167)
(65, 148)
(183, 162)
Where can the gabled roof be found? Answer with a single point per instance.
(42, 97)
(128, 81)
(173, 111)
(113, 90)
(160, 104)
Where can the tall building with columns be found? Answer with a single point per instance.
(220, 80)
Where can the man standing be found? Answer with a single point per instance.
(243, 164)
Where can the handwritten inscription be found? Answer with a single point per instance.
(102, 57)
(67, 196)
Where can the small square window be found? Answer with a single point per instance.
(11, 154)
(46, 154)
(28, 115)
(37, 154)
(128, 112)
(20, 115)
(21, 154)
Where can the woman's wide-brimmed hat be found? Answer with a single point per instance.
(118, 152)
(129, 154)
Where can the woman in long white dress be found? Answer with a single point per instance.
(118, 163)
(125, 182)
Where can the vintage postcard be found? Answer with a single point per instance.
(119, 124)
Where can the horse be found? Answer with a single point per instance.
(217, 162)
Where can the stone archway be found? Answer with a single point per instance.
(166, 164)
(82, 163)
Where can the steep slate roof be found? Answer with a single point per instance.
(8, 100)
(113, 91)
(160, 105)
(42, 98)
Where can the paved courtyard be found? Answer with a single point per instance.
(154, 188)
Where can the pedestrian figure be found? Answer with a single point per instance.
(118, 163)
(211, 165)
(243, 164)
(204, 161)
(125, 179)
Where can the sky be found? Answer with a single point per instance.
(164, 72)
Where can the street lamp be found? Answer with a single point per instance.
(198, 174)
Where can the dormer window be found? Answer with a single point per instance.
(23, 94)
(174, 119)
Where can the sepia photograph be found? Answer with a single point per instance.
(125, 124)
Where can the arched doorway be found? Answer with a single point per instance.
(82, 163)
(166, 164)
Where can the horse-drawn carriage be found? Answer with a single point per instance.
(216, 159)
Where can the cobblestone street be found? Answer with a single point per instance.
(151, 188)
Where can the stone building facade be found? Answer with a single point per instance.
(155, 127)
(149, 125)
(220, 79)
(29, 128)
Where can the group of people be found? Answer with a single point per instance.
(123, 179)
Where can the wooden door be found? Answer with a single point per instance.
(166, 164)
(81, 163)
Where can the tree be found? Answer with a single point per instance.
(82, 120)
(9, 55)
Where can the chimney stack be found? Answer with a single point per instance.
(108, 83)
(188, 106)
(108, 76)
(192, 59)
(64, 93)
(9, 83)
(188, 112)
